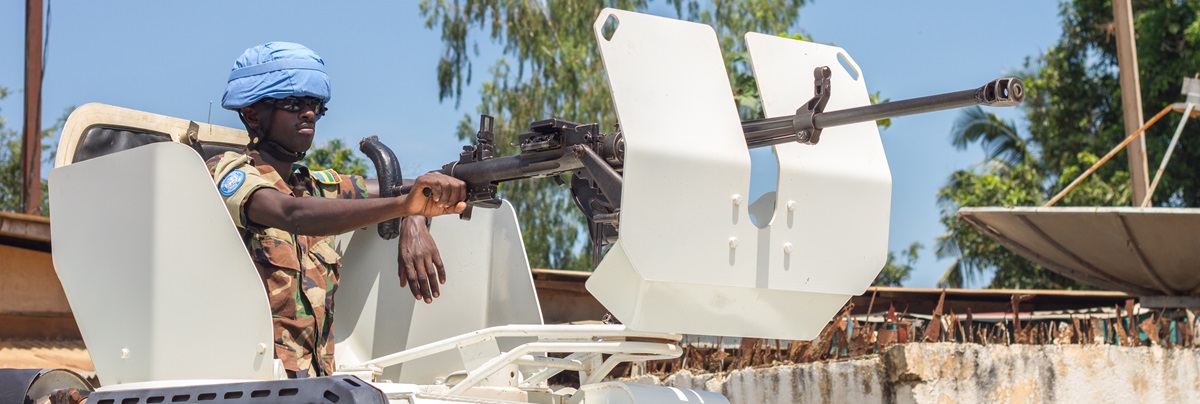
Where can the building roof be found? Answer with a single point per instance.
(25, 231)
(925, 300)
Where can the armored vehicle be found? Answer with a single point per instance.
(172, 310)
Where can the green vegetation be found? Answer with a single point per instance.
(1074, 115)
(10, 163)
(335, 155)
(894, 273)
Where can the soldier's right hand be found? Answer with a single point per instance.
(435, 194)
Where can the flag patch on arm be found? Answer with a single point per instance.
(328, 177)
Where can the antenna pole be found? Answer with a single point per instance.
(31, 143)
(1131, 97)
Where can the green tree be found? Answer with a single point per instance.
(335, 155)
(1075, 108)
(1007, 177)
(894, 273)
(550, 67)
(1074, 114)
(10, 165)
(973, 253)
(11, 182)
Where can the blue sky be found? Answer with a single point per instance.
(172, 58)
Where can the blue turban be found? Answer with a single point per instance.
(275, 70)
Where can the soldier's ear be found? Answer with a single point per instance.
(250, 117)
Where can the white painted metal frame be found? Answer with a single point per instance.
(488, 284)
(95, 113)
(584, 342)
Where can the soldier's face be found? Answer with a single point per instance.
(293, 130)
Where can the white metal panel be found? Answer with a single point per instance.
(686, 175)
(488, 284)
(841, 186)
(688, 258)
(373, 312)
(685, 157)
(687, 308)
(160, 283)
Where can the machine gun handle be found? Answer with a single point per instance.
(387, 167)
(405, 189)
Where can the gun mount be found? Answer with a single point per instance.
(553, 147)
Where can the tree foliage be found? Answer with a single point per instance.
(894, 272)
(996, 184)
(1074, 114)
(1076, 108)
(11, 182)
(335, 155)
(550, 67)
(10, 165)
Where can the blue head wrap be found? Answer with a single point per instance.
(275, 70)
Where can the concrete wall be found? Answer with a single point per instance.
(852, 381)
(952, 373)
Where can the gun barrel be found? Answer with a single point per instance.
(510, 168)
(771, 131)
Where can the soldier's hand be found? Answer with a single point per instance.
(435, 194)
(421, 268)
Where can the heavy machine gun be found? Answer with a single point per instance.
(553, 147)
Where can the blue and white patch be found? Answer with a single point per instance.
(231, 182)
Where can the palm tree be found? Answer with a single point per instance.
(1005, 149)
(998, 137)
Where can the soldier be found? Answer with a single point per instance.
(288, 214)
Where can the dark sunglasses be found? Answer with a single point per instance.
(295, 104)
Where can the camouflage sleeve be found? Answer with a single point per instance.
(353, 187)
(236, 180)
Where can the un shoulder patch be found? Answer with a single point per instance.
(231, 182)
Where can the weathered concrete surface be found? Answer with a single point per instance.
(952, 373)
(937, 373)
(852, 381)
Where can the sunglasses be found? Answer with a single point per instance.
(296, 104)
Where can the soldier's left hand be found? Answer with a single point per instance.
(421, 266)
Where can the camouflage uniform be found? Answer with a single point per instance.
(300, 273)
